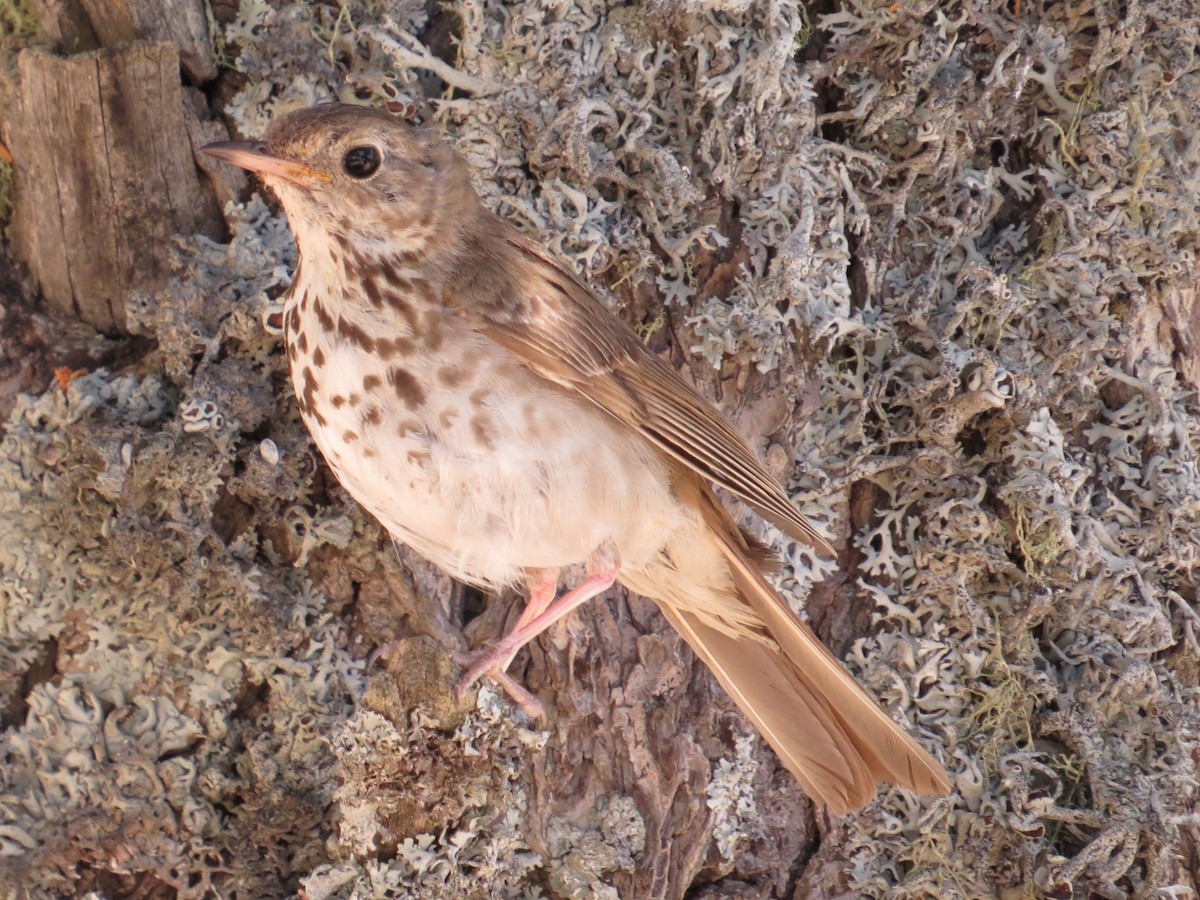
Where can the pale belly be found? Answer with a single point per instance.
(480, 465)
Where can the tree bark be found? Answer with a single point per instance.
(105, 176)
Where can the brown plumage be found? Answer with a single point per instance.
(490, 411)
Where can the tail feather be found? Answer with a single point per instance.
(888, 752)
(829, 732)
(801, 728)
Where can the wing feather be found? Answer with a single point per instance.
(558, 327)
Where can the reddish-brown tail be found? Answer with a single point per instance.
(827, 730)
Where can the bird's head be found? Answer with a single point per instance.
(358, 174)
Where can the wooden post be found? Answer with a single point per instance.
(105, 175)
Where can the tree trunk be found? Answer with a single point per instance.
(938, 264)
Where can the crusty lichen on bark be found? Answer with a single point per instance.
(960, 238)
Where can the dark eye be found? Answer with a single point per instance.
(361, 162)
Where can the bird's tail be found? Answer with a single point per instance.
(827, 730)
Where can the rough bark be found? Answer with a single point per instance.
(960, 242)
(76, 26)
(105, 176)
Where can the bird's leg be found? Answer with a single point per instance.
(542, 585)
(541, 612)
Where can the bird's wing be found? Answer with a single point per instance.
(527, 301)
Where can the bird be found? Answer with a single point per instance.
(480, 400)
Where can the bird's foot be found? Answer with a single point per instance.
(540, 615)
(486, 663)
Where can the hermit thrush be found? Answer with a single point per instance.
(482, 403)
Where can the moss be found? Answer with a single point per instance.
(1039, 543)
(1000, 720)
(17, 18)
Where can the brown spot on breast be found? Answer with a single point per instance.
(318, 357)
(308, 390)
(338, 401)
(481, 427)
(406, 386)
(407, 427)
(451, 376)
(293, 351)
(447, 417)
(391, 274)
(373, 415)
(478, 396)
(398, 301)
(417, 456)
(370, 382)
(349, 436)
(302, 342)
(291, 319)
(372, 288)
(393, 347)
(323, 316)
(355, 335)
(368, 452)
(304, 301)
(403, 259)
(355, 399)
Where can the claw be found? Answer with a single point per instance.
(483, 664)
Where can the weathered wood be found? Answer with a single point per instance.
(76, 26)
(104, 176)
(181, 22)
(65, 24)
(227, 182)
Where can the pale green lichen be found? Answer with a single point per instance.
(985, 222)
(731, 798)
(17, 18)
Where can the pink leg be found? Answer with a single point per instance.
(533, 622)
(542, 585)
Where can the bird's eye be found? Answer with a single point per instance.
(361, 162)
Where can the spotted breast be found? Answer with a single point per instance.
(452, 443)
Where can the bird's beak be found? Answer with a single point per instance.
(255, 156)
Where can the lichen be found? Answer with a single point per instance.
(17, 18)
(970, 227)
(731, 798)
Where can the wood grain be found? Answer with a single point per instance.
(77, 26)
(104, 176)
